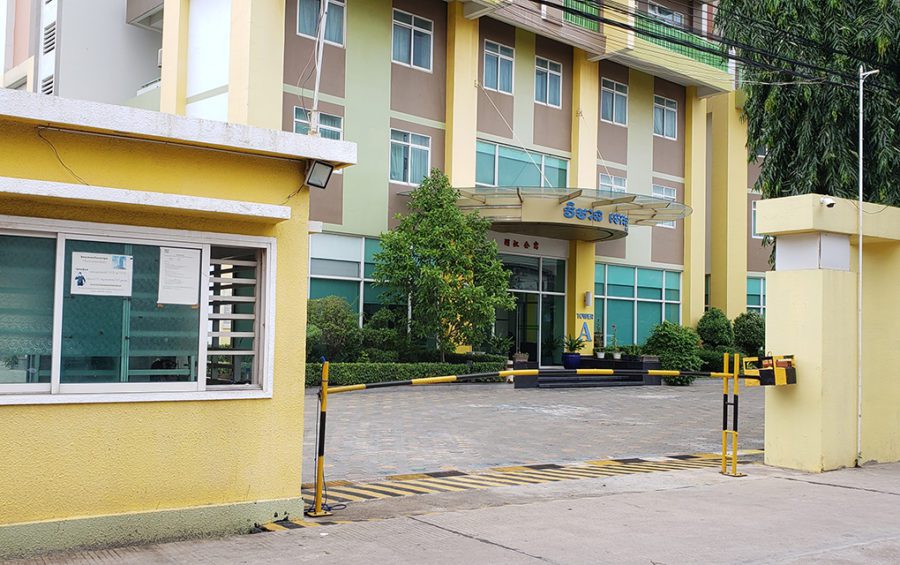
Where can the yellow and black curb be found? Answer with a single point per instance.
(343, 492)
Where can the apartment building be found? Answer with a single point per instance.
(522, 103)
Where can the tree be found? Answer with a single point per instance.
(332, 330)
(750, 333)
(440, 259)
(809, 127)
(715, 329)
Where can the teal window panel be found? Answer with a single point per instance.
(650, 284)
(485, 160)
(348, 290)
(673, 313)
(754, 300)
(108, 339)
(620, 281)
(27, 269)
(372, 246)
(673, 285)
(555, 172)
(620, 313)
(649, 314)
(600, 279)
(553, 275)
(754, 285)
(518, 168)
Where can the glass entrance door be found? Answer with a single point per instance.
(537, 323)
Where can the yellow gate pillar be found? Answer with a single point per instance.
(693, 283)
(580, 293)
(462, 96)
(728, 260)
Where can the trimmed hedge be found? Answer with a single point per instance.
(712, 358)
(340, 374)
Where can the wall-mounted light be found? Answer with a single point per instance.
(318, 174)
(588, 299)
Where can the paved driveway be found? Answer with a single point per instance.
(472, 426)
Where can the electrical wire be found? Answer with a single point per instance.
(59, 158)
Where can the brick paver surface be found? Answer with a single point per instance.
(381, 432)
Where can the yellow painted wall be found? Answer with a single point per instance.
(173, 75)
(580, 280)
(693, 281)
(462, 96)
(65, 461)
(585, 119)
(256, 63)
(728, 261)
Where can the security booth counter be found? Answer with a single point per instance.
(152, 292)
(546, 238)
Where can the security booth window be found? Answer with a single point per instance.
(108, 309)
(26, 309)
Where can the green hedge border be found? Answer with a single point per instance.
(341, 374)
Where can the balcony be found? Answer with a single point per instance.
(651, 25)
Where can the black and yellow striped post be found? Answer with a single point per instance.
(732, 373)
(317, 509)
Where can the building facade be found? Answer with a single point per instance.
(497, 94)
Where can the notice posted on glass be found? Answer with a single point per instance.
(101, 274)
(179, 276)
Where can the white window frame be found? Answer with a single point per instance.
(605, 297)
(409, 147)
(499, 55)
(549, 71)
(753, 233)
(609, 85)
(322, 127)
(613, 183)
(667, 15)
(539, 163)
(341, 3)
(79, 393)
(664, 103)
(412, 29)
(661, 191)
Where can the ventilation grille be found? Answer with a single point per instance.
(47, 85)
(49, 37)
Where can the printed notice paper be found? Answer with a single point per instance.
(179, 276)
(100, 274)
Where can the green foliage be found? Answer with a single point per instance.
(551, 344)
(809, 129)
(712, 358)
(383, 337)
(677, 348)
(715, 329)
(440, 258)
(573, 344)
(499, 345)
(340, 374)
(750, 333)
(632, 350)
(332, 330)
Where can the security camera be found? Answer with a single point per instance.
(827, 201)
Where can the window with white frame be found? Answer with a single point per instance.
(756, 294)
(498, 67)
(501, 165)
(667, 193)
(330, 127)
(612, 183)
(753, 232)
(412, 41)
(613, 102)
(629, 301)
(666, 15)
(665, 117)
(410, 157)
(548, 82)
(99, 309)
(308, 20)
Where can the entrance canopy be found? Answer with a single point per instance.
(584, 214)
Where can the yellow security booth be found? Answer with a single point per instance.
(153, 283)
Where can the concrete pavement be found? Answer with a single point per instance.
(692, 516)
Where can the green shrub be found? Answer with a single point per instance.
(382, 337)
(340, 374)
(336, 334)
(715, 329)
(631, 350)
(750, 333)
(712, 358)
(677, 348)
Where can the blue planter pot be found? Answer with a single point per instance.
(571, 360)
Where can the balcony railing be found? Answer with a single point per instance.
(581, 21)
(658, 28)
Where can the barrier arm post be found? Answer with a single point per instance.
(725, 379)
(320, 453)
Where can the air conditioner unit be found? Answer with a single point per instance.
(159, 58)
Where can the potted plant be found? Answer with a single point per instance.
(614, 345)
(599, 352)
(572, 358)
